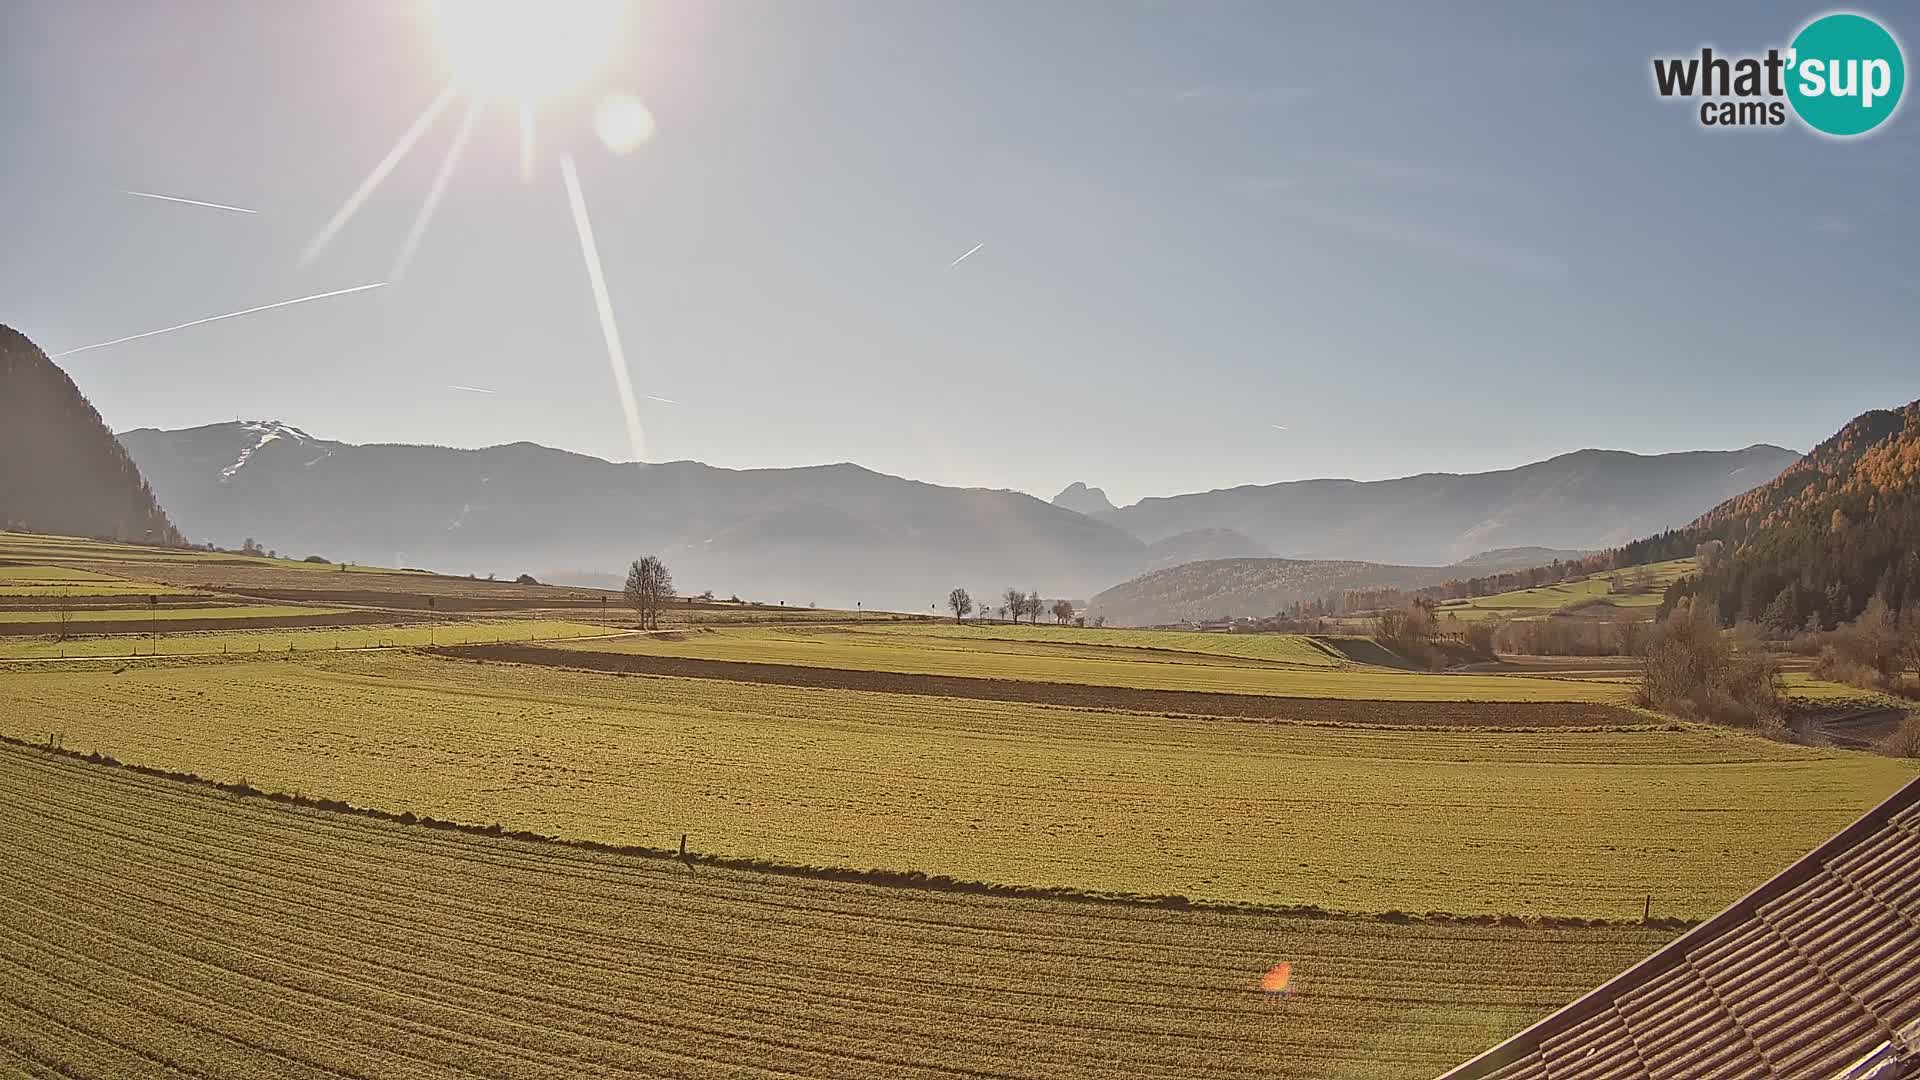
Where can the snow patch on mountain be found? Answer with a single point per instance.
(264, 432)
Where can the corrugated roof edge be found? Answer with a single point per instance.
(1669, 955)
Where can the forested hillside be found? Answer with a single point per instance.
(61, 469)
(1819, 541)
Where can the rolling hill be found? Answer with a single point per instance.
(1586, 499)
(1818, 541)
(1237, 588)
(61, 471)
(1198, 544)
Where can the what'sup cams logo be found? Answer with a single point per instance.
(1842, 76)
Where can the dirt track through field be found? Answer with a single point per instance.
(1074, 695)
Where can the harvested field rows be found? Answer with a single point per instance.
(904, 653)
(149, 927)
(1511, 714)
(1557, 822)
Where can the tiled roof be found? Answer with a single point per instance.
(1806, 975)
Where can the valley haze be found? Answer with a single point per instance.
(841, 534)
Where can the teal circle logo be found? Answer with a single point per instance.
(1845, 74)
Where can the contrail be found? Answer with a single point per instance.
(217, 318)
(434, 193)
(469, 389)
(1277, 427)
(661, 400)
(970, 251)
(379, 173)
(616, 357)
(189, 202)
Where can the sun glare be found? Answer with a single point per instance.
(527, 49)
(622, 123)
(523, 53)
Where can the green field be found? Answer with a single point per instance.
(162, 615)
(1279, 648)
(58, 549)
(57, 581)
(143, 921)
(987, 656)
(1573, 823)
(1609, 589)
(225, 642)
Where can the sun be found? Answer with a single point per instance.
(527, 50)
(526, 53)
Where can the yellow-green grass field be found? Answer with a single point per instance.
(1279, 648)
(149, 926)
(904, 650)
(1563, 822)
(227, 642)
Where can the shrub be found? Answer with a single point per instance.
(317, 559)
(526, 579)
(1904, 741)
(1871, 652)
(1409, 631)
(1694, 671)
(1479, 639)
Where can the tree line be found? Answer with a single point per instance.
(1014, 604)
(1812, 549)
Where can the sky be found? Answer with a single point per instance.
(1217, 243)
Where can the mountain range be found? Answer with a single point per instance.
(842, 534)
(60, 469)
(831, 534)
(1584, 499)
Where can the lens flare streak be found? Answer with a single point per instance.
(379, 174)
(616, 356)
(526, 140)
(438, 189)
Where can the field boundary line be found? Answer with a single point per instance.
(888, 878)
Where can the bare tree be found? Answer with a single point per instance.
(1016, 603)
(960, 603)
(63, 615)
(1062, 611)
(649, 587)
(1033, 607)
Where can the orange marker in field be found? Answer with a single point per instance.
(1278, 979)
